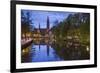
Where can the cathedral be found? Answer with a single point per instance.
(42, 32)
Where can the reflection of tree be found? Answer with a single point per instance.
(71, 53)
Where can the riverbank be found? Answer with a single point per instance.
(26, 42)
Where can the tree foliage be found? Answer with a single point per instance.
(77, 24)
(25, 21)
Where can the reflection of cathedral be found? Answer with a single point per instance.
(42, 32)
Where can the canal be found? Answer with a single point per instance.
(44, 52)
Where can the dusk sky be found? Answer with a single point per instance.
(40, 17)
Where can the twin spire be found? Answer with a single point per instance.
(48, 23)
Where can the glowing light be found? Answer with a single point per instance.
(23, 51)
(87, 48)
(23, 35)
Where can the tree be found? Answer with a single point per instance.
(25, 22)
(77, 24)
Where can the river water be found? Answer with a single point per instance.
(58, 52)
(41, 53)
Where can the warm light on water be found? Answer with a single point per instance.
(26, 50)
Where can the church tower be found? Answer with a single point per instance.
(39, 26)
(48, 23)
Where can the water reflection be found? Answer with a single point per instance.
(57, 51)
(41, 53)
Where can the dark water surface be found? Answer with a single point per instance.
(55, 52)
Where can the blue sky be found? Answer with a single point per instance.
(40, 17)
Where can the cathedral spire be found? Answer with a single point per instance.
(48, 22)
(39, 25)
(39, 28)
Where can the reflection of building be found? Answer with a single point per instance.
(42, 32)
